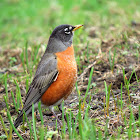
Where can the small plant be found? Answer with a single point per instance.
(114, 101)
(89, 84)
(29, 60)
(12, 61)
(10, 120)
(4, 127)
(107, 91)
(41, 131)
(34, 123)
(18, 95)
(127, 83)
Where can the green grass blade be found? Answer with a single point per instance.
(42, 122)
(106, 91)
(119, 132)
(121, 99)
(10, 120)
(26, 55)
(108, 97)
(63, 121)
(27, 83)
(130, 129)
(89, 83)
(133, 121)
(124, 77)
(100, 137)
(110, 62)
(56, 125)
(80, 121)
(6, 89)
(12, 94)
(131, 76)
(34, 123)
(4, 127)
(29, 124)
(93, 131)
(136, 76)
(22, 60)
(40, 112)
(139, 121)
(18, 92)
(10, 133)
(35, 55)
(74, 125)
(69, 126)
(106, 128)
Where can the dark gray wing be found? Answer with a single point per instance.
(45, 75)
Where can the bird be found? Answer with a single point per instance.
(56, 73)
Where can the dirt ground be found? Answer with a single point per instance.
(126, 58)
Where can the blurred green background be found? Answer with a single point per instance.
(22, 20)
(110, 37)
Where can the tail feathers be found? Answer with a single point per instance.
(18, 120)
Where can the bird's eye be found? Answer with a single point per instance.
(70, 28)
(66, 30)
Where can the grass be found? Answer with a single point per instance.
(27, 25)
(39, 18)
(87, 127)
(34, 123)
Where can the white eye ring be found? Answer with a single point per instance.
(66, 29)
(70, 28)
(67, 33)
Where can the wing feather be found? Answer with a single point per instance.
(45, 75)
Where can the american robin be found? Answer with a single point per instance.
(56, 74)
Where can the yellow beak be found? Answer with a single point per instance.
(77, 27)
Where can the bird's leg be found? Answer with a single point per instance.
(52, 110)
(60, 108)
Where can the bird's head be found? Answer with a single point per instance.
(61, 37)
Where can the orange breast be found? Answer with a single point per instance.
(66, 79)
